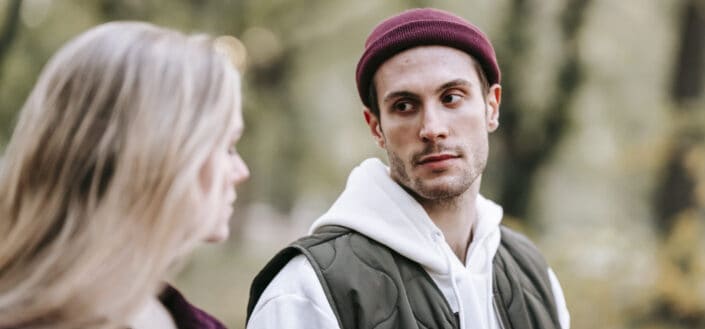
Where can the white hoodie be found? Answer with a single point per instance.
(376, 206)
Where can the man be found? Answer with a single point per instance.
(415, 245)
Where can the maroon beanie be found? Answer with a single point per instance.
(421, 27)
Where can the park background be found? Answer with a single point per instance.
(600, 155)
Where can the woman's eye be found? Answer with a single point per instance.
(402, 106)
(451, 98)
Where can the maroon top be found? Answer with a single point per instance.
(185, 315)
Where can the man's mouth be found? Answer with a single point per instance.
(438, 157)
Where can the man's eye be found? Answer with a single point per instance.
(402, 107)
(451, 98)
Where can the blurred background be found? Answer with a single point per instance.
(600, 156)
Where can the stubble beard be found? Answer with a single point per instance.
(447, 196)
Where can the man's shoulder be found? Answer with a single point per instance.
(295, 278)
(519, 247)
(289, 278)
(321, 235)
(291, 271)
(514, 237)
(521, 270)
(293, 299)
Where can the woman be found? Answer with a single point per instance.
(123, 159)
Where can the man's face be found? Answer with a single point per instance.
(434, 120)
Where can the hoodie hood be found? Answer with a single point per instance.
(376, 206)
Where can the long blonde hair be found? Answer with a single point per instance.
(99, 185)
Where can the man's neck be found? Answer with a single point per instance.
(455, 218)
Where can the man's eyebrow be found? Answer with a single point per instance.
(399, 94)
(407, 94)
(454, 83)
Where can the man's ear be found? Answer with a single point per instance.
(494, 98)
(375, 128)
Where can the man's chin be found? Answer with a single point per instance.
(440, 188)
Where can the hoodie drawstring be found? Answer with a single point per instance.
(438, 238)
(456, 292)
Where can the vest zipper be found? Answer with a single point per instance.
(501, 314)
(437, 237)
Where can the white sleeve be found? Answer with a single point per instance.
(561, 307)
(294, 300)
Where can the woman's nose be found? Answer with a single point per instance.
(240, 171)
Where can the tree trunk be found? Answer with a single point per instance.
(676, 204)
(526, 149)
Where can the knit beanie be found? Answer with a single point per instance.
(423, 27)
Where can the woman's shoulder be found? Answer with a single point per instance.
(186, 315)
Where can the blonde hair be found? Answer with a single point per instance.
(100, 186)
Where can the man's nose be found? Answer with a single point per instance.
(433, 126)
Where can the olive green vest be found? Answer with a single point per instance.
(369, 285)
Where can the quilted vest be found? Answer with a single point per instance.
(369, 285)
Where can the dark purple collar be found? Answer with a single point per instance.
(187, 316)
